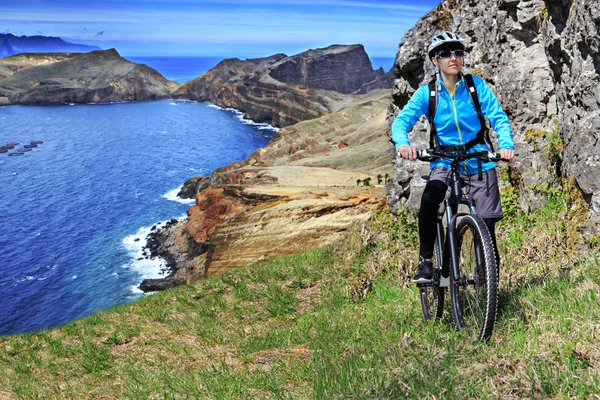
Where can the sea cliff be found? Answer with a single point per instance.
(307, 187)
(283, 90)
(322, 173)
(59, 78)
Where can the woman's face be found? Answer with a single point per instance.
(449, 61)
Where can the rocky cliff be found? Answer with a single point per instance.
(312, 182)
(282, 90)
(542, 59)
(98, 76)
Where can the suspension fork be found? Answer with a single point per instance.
(443, 241)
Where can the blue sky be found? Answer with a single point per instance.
(240, 28)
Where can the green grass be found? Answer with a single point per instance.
(333, 322)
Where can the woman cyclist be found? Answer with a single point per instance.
(457, 125)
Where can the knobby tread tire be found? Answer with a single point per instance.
(432, 297)
(483, 250)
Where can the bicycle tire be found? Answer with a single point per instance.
(475, 294)
(432, 296)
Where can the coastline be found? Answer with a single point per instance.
(159, 248)
(299, 190)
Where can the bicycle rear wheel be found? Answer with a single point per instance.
(475, 293)
(432, 295)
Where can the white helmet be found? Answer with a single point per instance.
(442, 38)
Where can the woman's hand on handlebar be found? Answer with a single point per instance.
(408, 152)
(507, 155)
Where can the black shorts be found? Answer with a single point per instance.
(485, 193)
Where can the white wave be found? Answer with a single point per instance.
(147, 268)
(241, 116)
(172, 195)
(174, 104)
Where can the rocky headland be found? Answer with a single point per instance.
(307, 187)
(324, 172)
(94, 77)
(283, 90)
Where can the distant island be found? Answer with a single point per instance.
(11, 45)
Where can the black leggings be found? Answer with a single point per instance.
(433, 195)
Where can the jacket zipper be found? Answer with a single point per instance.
(453, 98)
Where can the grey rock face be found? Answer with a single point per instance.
(283, 90)
(344, 69)
(542, 59)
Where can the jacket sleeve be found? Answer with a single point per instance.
(416, 107)
(491, 108)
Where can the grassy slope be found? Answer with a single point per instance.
(302, 327)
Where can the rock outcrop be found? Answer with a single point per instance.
(98, 76)
(300, 191)
(541, 58)
(282, 90)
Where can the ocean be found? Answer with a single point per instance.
(77, 207)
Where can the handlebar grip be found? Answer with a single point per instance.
(494, 156)
(426, 155)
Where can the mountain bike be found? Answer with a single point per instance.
(464, 258)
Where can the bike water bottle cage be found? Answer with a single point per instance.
(483, 134)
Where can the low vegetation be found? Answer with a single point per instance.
(335, 322)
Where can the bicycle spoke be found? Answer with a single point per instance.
(476, 305)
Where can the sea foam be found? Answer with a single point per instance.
(241, 117)
(172, 196)
(148, 268)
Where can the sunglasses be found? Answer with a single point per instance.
(450, 53)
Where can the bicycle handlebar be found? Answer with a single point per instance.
(434, 154)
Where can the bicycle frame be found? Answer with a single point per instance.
(451, 207)
(450, 249)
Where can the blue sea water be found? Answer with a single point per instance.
(77, 208)
(178, 69)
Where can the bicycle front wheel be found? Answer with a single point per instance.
(475, 293)
(432, 295)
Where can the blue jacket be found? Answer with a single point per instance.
(456, 120)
